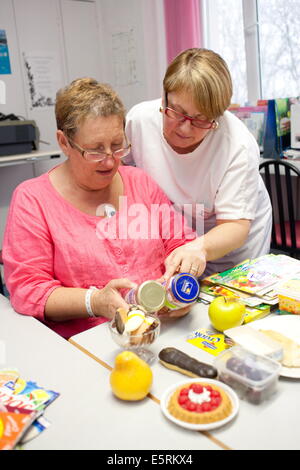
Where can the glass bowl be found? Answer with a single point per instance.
(140, 344)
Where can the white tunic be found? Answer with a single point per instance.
(220, 179)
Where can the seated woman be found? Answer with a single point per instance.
(88, 222)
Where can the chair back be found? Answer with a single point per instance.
(282, 182)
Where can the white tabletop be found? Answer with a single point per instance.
(86, 415)
(270, 425)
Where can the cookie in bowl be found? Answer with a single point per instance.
(134, 327)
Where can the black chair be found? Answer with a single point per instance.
(282, 181)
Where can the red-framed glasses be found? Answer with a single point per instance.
(180, 117)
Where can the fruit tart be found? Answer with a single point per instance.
(200, 403)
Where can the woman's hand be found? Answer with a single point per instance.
(165, 312)
(226, 236)
(189, 258)
(104, 302)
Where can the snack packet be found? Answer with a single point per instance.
(209, 341)
(26, 395)
(12, 427)
(21, 405)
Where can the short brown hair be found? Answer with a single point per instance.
(85, 97)
(205, 75)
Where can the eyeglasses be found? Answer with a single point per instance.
(179, 117)
(92, 156)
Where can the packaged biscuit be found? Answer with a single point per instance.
(209, 341)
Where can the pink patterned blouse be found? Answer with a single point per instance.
(48, 243)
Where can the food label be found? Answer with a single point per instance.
(172, 306)
(184, 287)
(209, 341)
(130, 297)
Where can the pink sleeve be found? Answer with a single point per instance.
(174, 227)
(28, 256)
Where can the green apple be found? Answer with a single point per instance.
(226, 312)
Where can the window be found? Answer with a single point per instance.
(225, 35)
(279, 25)
(260, 41)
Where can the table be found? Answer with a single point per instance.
(86, 415)
(271, 425)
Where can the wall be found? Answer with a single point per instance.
(116, 41)
(15, 102)
(135, 52)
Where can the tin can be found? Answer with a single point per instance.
(182, 290)
(151, 295)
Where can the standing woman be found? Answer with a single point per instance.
(204, 157)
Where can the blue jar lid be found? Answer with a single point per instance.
(185, 287)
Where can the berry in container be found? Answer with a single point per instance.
(253, 377)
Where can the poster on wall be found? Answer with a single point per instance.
(41, 73)
(124, 58)
(4, 54)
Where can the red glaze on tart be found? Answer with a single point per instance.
(200, 403)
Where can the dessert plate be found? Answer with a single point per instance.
(200, 427)
(288, 325)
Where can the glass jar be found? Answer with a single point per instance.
(151, 295)
(181, 290)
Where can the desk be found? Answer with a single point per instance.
(86, 415)
(271, 425)
(32, 157)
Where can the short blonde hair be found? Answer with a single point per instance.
(205, 75)
(83, 98)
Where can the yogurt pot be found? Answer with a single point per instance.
(181, 290)
(151, 295)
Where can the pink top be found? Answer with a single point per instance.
(48, 243)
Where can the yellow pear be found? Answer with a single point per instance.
(1, 428)
(131, 378)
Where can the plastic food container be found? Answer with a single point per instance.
(289, 295)
(255, 342)
(253, 377)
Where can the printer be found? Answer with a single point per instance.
(18, 136)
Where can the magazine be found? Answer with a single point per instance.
(258, 276)
(215, 290)
(21, 406)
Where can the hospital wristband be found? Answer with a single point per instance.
(88, 302)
